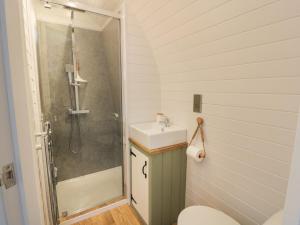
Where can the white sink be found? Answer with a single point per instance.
(152, 136)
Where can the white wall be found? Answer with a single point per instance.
(30, 26)
(292, 204)
(10, 208)
(243, 57)
(21, 110)
(142, 76)
(142, 98)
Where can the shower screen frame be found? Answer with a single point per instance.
(124, 132)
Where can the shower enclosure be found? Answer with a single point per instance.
(81, 94)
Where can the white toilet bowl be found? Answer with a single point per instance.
(203, 215)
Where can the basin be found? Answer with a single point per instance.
(153, 136)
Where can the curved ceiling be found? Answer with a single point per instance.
(243, 57)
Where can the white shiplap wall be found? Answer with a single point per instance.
(243, 57)
(29, 18)
(143, 86)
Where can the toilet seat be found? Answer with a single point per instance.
(203, 215)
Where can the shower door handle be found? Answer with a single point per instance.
(143, 170)
(115, 116)
(41, 134)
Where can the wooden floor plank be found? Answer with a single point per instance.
(104, 218)
(123, 215)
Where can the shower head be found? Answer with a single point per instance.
(72, 6)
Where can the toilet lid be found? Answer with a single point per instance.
(203, 215)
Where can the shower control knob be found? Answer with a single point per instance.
(115, 116)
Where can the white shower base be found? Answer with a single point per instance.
(81, 193)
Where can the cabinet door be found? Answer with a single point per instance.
(140, 183)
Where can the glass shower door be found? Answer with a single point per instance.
(81, 89)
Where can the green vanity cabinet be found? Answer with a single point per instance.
(158, 181)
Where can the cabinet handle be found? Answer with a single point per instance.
(132, 153)
(143, 170)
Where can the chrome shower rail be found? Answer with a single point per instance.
(83, 8)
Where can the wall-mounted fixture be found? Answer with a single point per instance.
(73, 74)
(47, 5)
(197, 153)
(197, 105)
(8, 178)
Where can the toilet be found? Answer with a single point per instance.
(203, 215)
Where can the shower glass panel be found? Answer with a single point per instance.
(81, 92)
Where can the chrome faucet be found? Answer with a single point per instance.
(164, 122)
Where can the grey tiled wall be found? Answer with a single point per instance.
(95, 141)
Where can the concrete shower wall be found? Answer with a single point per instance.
(96, 143)
(111, 45)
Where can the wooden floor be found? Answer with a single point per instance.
(62, 219)
(123, 215)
